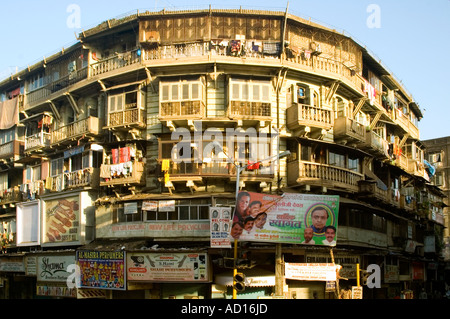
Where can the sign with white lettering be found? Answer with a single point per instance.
(167, 267)
(314, 272)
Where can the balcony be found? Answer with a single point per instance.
(181, 171)
(300, 116)
(376, 145)
(349, 130)
(38, 141)
(370, 190)
(417, 168)
(115, 62)
(11, 196)
(323, 175)
(131, 173)
(181, 110)
(86, 177)
(243, 110)
(85, 127)
(405, 123)
(11, 150)
(44, 93)
(133, 117)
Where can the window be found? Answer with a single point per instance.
(36, 82)
(183, 90)
(33, 173)
(435, 157)
(250, 90)
(191, 209)
(56, 166)
(116, 103)
(6, 136)
(439, 179)
(119, 215)
(336, 159)
(353, 164)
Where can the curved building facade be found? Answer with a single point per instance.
(107, 159)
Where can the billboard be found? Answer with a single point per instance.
(102, 269)
(220, 226)
(307, 219)
(61, 220)
(168, 267)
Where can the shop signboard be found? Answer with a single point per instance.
(54, 268)
(28, 222)
(61, 220)
(313, 272)
(102, 269)
(345, 260)
(168, 267)
(307, 219)
(220, 226)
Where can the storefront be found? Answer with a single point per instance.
(13, 282)
(55, 274)
(174, 274)
(259, 283)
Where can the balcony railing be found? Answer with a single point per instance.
(11, 196)
(370, 189)
(252, 110)
(214, 168)
(55, 86)
(11, 149)
(38, 141)
(87, 126)
(182, 109)
(349, 129)
(300, 172)
(403, 121)
(115, 62)
(376, 144)
(301, 115)
(123, 173)
(417, 168)
(86, 177)
(127, 117)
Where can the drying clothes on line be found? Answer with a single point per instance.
(124, 154)
(370, 90)
(115, 156)
(118, 170)
(165, 165)
(105, 171)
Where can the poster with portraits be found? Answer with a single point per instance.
(307, 219)
(220, 226)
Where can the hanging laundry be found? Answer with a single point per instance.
(165, 165)
(124, 155)
(252, 166)
(115, 156)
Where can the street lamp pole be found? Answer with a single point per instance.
(239, 169)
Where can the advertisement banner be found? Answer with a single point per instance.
(61, 222)
(54, 268)
(220, 226)
(102, 269)
(314, 272)
(168, 267)
(291, 218)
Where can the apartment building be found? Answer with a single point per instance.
(91, 170)
(437, 157)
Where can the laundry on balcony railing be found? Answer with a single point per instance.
(120, 170)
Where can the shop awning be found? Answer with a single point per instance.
(253, 278)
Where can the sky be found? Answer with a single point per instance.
(409, 37)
